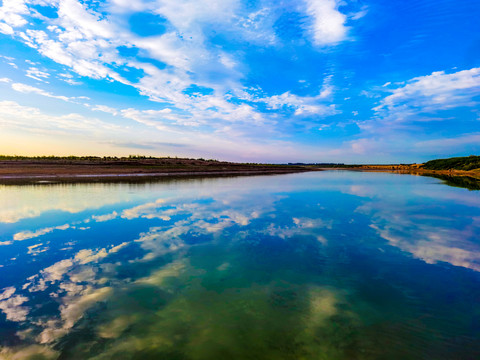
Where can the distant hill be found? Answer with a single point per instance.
(457, 163)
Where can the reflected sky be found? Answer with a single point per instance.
(329, 265)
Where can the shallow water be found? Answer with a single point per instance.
(324, 265)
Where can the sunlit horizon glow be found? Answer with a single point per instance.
(360, 81)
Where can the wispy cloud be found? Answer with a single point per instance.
(87, 43)
(37, 74)
(431, 93)
(234, 73)
(27, 89)
(449, 145)
(13, 115)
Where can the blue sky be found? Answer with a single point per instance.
(370, 81)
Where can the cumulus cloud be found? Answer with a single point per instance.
(56, 271)
(11, 305)
(328, 22)
(12, 14)
(106, 217)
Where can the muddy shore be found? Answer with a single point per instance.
(61, 170)
(28, 171)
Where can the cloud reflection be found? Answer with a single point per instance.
(199, 269)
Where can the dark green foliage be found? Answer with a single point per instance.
(458, 163)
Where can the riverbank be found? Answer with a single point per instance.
(44, 170)
(415, 170)
(61, 170)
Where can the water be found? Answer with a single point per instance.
(326, 265)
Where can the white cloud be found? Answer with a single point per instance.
(77, 296)
(87, 255)
(402, 120)
(359, 14)
(13, 310)
(28, 352)
(106, 217)
(36, 249)
(76, 18)
(56, 271)
(24, 235)
(68, 78)
(430, 93)
(438, 238)
(11, 15)
(36, 74)
(302, 105)
(13, 115)
(117, 248)
(86, 41)
(6, 29)
(147, 211)
(105, 109)
(450, 145)
(11, 305)
(7, 293)
(328, 22)
(434, 245)
(73, 311)
(27, 89)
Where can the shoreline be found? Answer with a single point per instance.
(71, 171)
(72, 177)
(416, 171)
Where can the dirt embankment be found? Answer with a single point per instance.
(102, 169)
(417, 169)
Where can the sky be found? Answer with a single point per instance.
(359, 81)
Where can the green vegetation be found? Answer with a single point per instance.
(457, 163)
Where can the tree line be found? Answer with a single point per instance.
(456, 163)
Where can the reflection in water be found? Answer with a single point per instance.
(331, 265)
(466, 182)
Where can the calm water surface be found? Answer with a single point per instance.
(329, 265)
